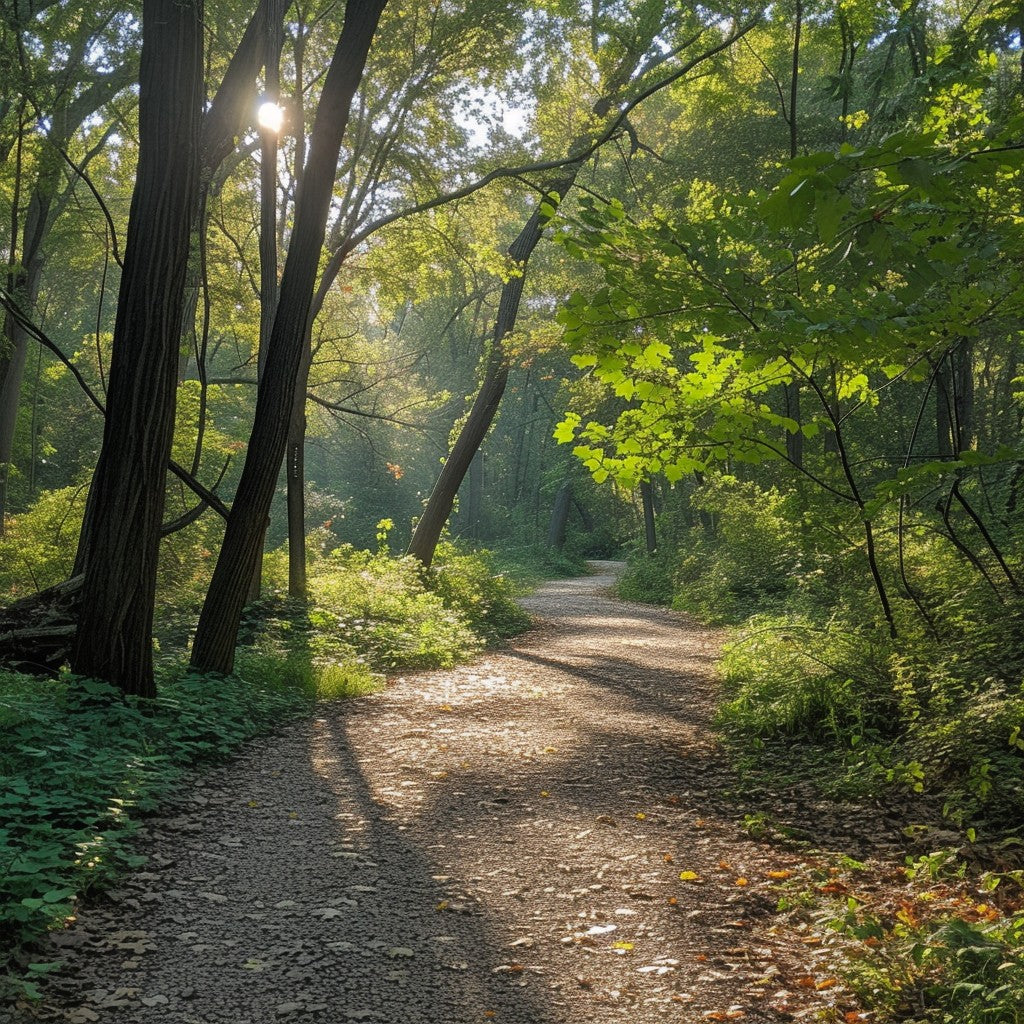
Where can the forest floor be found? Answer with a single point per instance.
(549, 835)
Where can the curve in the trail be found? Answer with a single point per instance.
(501, 842)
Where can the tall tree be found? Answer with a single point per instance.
(216, 634)
(179, 148)
(115, 624)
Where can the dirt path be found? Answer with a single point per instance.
(502, 842)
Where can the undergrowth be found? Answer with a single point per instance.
(79, 764)
(931, 719)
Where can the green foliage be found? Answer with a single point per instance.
(37, 549)
(470, 584)
(754, 561)
(949, 969)
(78, 764)
(383, 613)
(928, 716)
(648, 579)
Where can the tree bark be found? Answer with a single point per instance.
(115, 623)
(217, 630)
(647, 499)
(268, 231)
(560, 516)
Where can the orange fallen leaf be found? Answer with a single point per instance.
(780, 874)
(702, 958)
(806, 982)
(724, 865)
(667, 857)
(672, 901)
(826, 983)
(742, 881)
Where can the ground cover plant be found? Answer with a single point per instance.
(79, 765)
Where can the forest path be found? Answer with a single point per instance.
(500, 842)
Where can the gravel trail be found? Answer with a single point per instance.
(500, 842)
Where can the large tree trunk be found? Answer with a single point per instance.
(216, 634)
(114, 639)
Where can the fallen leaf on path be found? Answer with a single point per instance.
(689, 876)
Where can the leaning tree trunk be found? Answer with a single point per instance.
(115, 623)
(217, 631)
(481, 416)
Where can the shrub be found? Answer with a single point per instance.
(469, 584)
(649, 579)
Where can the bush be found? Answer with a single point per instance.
(947, 969)
(469, 584)
(649, 579)
(38, 546)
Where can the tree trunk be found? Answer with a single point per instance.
(474, 499)
(217, 631)
(963, 394)
(560, 516)
(944, 409)
(481, 416)
(114, 639)
(647, 499)
(295, 473)
(268, 232)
